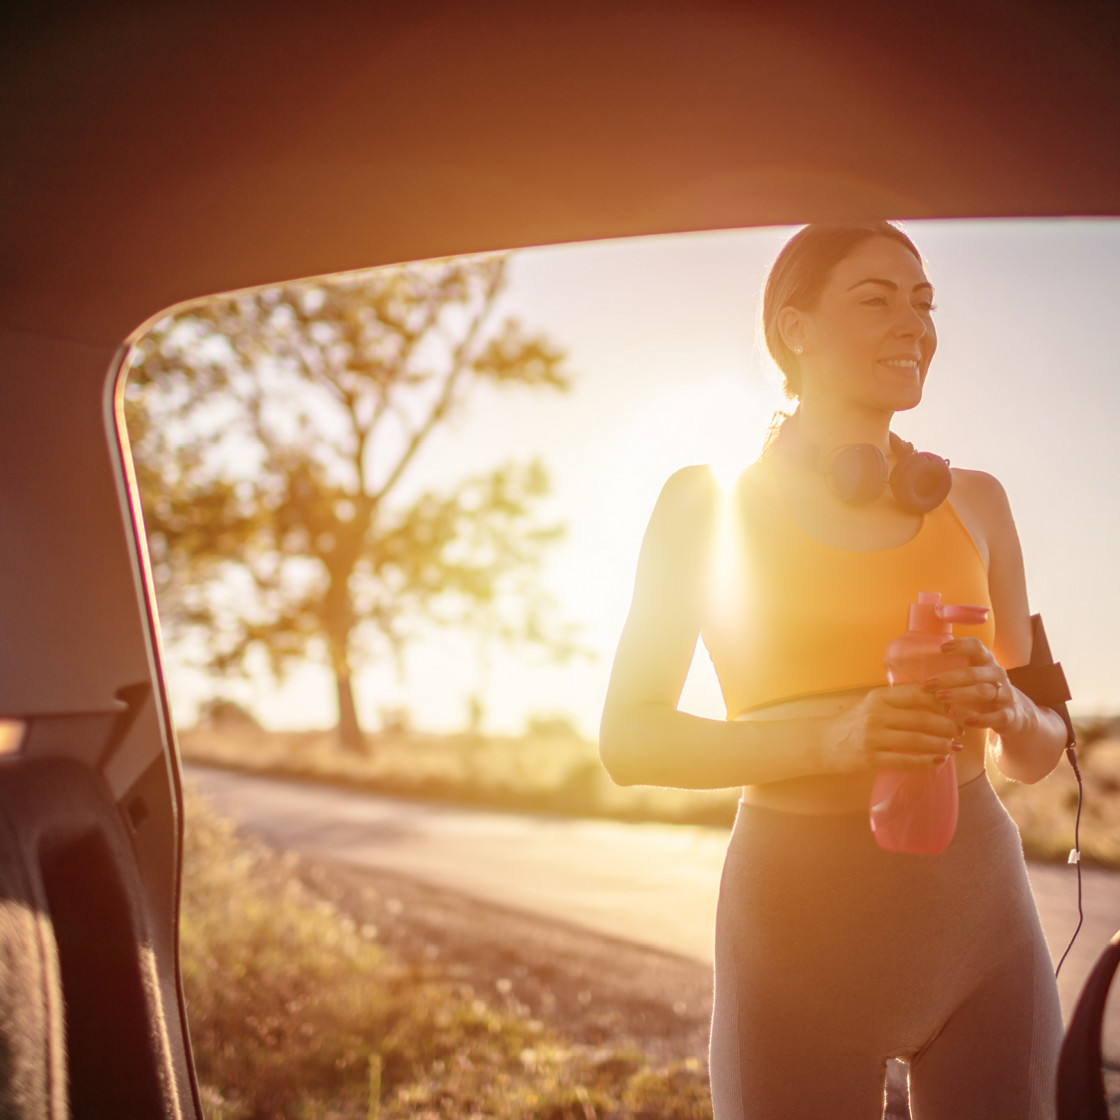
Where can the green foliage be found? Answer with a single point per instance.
(558, 725)
(273, 431)
(224, 711)
(296, 1013)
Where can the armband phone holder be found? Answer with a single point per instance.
(1043, 681)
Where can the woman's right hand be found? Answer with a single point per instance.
(899, 727)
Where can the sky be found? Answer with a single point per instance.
(668, 368)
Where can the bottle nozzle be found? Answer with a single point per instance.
(930, 616)
(965, 615)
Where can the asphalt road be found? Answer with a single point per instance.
(647, 883)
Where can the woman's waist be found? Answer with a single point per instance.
(776, 843)
(845, 792)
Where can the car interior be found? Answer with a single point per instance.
(156, 154)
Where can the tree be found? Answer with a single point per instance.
(273, 431)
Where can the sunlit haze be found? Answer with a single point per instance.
(668, 367)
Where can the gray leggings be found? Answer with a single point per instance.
(833, 956)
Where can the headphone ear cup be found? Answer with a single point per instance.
(921, 481)
(858, 473)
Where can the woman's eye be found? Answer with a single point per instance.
(875, 301)
(927, 305)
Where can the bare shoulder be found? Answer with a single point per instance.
(688, 501)
(981, 495)
(680, 532)
(979, 490)
(693, 487)
(981, 503)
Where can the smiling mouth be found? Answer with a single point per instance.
(902, 363)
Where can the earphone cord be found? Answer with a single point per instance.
(1074, 855)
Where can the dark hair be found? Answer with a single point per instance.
(800, 273)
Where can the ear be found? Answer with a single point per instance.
(793, 326)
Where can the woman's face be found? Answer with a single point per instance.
(871, 338)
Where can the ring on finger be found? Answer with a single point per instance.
(999, 691)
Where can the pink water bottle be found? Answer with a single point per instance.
(916, 810)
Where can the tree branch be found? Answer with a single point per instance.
(444, 400)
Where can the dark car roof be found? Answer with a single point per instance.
(153, 153)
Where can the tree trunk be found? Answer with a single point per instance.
(350, 737)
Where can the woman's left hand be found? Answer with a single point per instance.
(980, 695)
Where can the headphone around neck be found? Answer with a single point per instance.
(859, 473)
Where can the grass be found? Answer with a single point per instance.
(1046, 811)
(560, 773)
(298, 1014)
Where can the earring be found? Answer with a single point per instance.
(797, 350)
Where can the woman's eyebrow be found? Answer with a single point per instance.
(889, 284)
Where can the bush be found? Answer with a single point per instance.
(297, 1013)
(223, 711)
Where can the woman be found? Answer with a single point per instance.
(832, 954)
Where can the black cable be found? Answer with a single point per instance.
(1075, 854)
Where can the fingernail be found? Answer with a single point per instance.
(958, 745)
(939, 760)
(944, 694)
(971, 721)
(932, 685)
(950, 644)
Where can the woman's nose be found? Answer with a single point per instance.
(910, 322)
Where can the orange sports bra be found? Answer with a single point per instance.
(791, 616)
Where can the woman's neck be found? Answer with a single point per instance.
(828, 427)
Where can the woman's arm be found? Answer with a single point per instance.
(1030, 738)
(644, 739)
